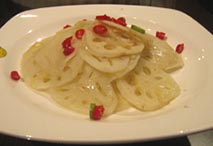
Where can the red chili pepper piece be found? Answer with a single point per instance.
(67, 26)
(114, 20)
(160, 35)
(68, 50)
(179, 48)
(104, 17)
(79, 33)
(100, 29)
(15, 75)
(67, 42)
(96, 111)
(121, 21)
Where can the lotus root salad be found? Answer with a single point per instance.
(103, 66)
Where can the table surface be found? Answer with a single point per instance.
(202, 11)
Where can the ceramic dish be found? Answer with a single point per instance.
(29, 115)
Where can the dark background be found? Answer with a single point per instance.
(200, 10)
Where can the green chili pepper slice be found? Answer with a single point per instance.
(92, 106)
(137, 28)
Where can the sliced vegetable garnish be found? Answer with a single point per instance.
(92, 106)
(161, 35)
(3, 52)
(96, 111)
(66, 44)
(67, 51)
(120, 20)
(104, 17)
(137, 28)
(79, 33)
(100, 29)
(15, 75)
(179, 48)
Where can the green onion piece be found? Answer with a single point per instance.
(137, 28)
(3, 52)
(92, 106)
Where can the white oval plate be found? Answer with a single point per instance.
(29, 115)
